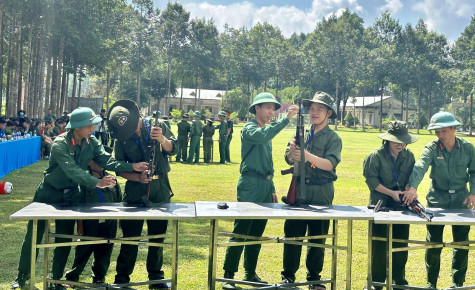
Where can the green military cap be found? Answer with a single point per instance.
(81, 117)
(263, 98)
(442, 120)
(322, 98)
(197, 114)
(185, 115)
(123, 119)
(222, 113)
(397, 132)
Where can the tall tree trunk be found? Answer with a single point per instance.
(75, 86)
(419, 109)
(381, 108)
(54, 85)
(181, 92)
(196, 94)
(49, 69)
(64, 89)
(1, 56)
(59, 75)
(407, 105)
(108, 89)
(19, 64)
(137, 99)
(8, 106)
(337, 103)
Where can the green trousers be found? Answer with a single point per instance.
(25, 253)
(222, 149)
(61, 253)
(207, 145)
(182, 148)
(443, 199)
(379, 250)
(249, 189)
(315, 256)
(227, 154)
(102, 252)
(194, 149)
(128, 253)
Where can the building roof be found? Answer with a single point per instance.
(202, 94)
(368, 101)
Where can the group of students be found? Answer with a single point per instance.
(193, 133)
(390, 171)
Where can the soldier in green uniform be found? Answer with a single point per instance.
(134, 138)
(195, 136)
(223, 132)
(387, 170)
(255, 183)
(229, 136)
(208, 132)
(96, 228)
(183, 130)
(452, 160)
(322, 155)
(70, 156)
(50, 116)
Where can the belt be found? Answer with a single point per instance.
(317, 181)
(257, 175)
(451, 191)
(63, 190)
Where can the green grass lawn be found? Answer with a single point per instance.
(218, 182)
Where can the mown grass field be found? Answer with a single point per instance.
(218, 182)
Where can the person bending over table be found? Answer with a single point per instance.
(453, 165)
(133, 135)
(96, 228)
(387, 170)
(322, 155)
(70, 156)
(255, 183)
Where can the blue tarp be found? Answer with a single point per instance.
(18, 153)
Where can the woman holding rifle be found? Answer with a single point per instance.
(387, 170)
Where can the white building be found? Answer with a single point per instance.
(204, 99)
(371, 107)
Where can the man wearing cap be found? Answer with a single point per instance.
(452, 161)
(322, 153)
(208, 132)
(65, 116)
(101, 128)
(387, 170)
(70, 156)
(134, 140)
(229, 136)
(223, 132)
(50, 115)
(183, 130)
(195, 136)
(255, 183)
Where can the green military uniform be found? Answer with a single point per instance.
(183, 130)
(223, 132)
(228, 140)
(66, 170)
(449, 174)
(56, 131)
(45, 146)
(51, 117)
(195, 135)
(208, 132)
(96, 228)
(318, 190)
(135, 149)
(381, 168)
(8, 132)
(254, 185)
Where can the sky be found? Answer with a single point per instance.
(448, 17)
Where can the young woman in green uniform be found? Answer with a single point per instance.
(322, 155)
(255, 183)
(387, 170)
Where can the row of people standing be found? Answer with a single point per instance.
(193, 133)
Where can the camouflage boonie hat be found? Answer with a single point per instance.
(263, 98)
(322, 98)
(397, 132)
(123, 119)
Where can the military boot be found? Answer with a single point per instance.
(252, 277)
(229, 285)
(20, 281)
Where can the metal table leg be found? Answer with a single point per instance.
(349, 253)
(213, 236)
(370, 249)
(34, 234)
(334, 253)
(389, 265)
(175, 255)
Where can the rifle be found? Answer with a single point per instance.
(416, 207)
(298, 170)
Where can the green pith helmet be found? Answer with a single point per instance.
(222, 113)
(322, 98)
(197, 114)
(123, 119)
(262, 98)
(81, 117)
(397, 132)
(442, 120)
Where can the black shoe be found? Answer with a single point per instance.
(57, 287)
(253, 278)
(160, 286)
(20, 281)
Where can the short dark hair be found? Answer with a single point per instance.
(2, 120)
